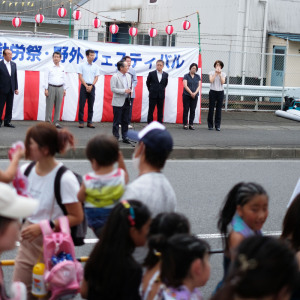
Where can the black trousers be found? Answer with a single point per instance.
(90, 97)
(160, 109)
(8, 99)
(121, 116)
(189, 104)
(215, 99)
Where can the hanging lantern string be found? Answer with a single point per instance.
(97, 14)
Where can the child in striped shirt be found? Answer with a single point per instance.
(102, 188)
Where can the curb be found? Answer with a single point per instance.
(198, 153)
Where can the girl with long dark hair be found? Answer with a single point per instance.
(111, 272)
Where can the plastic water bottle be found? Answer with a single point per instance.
(38, 282)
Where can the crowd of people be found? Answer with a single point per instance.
(122, 84)
(146, 249)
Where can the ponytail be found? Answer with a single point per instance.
(162, 227)
(46, 135)
(227, 212)
(65, 139)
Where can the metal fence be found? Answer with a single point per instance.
(255, 81)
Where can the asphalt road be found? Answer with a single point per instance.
(201, 186)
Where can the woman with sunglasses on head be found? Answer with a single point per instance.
(111, 272)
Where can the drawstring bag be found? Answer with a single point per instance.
(63, 272)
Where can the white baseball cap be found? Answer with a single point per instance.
(155, 136)
(14, 206)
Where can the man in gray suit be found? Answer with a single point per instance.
(120, 84)
(134, 81)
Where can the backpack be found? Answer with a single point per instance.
(78, 232)
(62, 277)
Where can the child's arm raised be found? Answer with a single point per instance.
(8, 175)
(81, 193)
(121, 165)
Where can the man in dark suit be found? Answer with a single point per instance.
(8, 86)
(157, 82)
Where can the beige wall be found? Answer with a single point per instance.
(292, 68)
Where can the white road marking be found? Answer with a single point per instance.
(202, 236)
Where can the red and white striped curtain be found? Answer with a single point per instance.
(30, 104)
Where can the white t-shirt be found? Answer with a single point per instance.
(217, 85)
(154, 190)
(42, 189)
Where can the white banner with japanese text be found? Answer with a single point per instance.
(34, 55)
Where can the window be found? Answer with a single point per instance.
(83, 34)
(101, 36)
(159, 40)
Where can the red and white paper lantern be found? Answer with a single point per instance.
(77, 15)
(61, 12)
(114, 29)
(96, 23)
(39, 18)
(169, 29)
(152, 32)
(133, 31)
(16, 22)
(186, 25)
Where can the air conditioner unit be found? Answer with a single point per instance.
(125, 4)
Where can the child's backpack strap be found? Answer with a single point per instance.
(29, 168)
(78, 232)
(64, 224)
(45, 227)
(57, 185)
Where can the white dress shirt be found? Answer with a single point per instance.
(159, 76)
(55, 75)
(8, 66)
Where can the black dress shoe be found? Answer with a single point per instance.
(126, 141)
(191, 127)
(9, 125)
(218, 129)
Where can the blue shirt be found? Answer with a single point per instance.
(192, 83)
(134, 81)
(89, 72)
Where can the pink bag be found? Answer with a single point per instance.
(63, 279)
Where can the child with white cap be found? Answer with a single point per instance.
(12, 208)
(152, 187)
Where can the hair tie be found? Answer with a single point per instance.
(131, 216)
(246, 264)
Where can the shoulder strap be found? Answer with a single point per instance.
(29, 168)
(57, 184)
(64, 224)
(45, 227)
